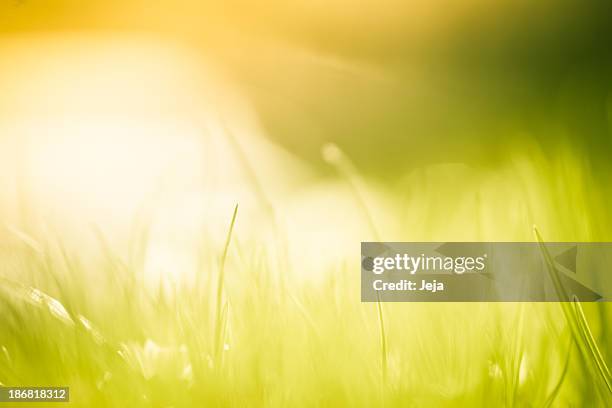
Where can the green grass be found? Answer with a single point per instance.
(248, 333)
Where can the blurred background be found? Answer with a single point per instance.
(130, 130)
(457, 79)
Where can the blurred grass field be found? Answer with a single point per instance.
(184, 186)
(247, 332)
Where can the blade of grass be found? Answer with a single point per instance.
(336, 157)
(578, 325)
(220, 283)
(590, 340)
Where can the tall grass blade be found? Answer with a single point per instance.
(578, 324)
(604, 371)
(336, 157)
(218, 310)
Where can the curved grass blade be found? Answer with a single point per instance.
(578, 324)
(590, 340)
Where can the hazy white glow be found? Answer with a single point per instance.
(105, 131)
(110, 166)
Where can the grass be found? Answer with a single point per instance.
(579, 326)
(247, 332)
